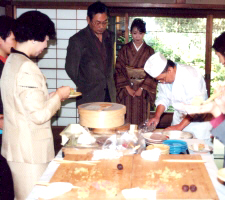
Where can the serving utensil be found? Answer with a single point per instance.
(87, 162)
(47, 184)
(189, 161)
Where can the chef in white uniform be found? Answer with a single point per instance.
(178, 84)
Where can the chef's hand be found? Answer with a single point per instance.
(211, 107)
(1, 121)
(130, 91)
(63, 92)
(138, 93)
(154, 121)
(174, 128)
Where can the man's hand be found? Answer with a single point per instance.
(154, 121)
(177, 127)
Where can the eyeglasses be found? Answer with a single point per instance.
(162, 80)
(98, 23)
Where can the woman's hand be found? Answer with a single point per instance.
(130, 91)
(63, 92)
(138, 93)
(220, 100)
(177, 127)
(211, 107)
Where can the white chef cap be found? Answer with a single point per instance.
(155, 65)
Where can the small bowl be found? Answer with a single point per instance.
(176, 146)
(164, 148)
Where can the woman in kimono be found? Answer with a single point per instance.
(135, 89)
(27, 139)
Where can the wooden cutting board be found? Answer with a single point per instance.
(101, 179)
(147, 174)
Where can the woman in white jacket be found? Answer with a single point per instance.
(27, 139)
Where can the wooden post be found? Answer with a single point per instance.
(126, 28)
(208, 54)
(10, 11)
(181, 1)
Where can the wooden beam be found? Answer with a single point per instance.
(208, 52)
(71, 5)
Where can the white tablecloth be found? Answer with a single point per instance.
(209, 164)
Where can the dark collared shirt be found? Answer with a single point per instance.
(101, 46)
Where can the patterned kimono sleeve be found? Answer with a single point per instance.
(121, 76)
(150, 85)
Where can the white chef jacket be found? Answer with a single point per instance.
(188, 84)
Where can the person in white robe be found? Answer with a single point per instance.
(178, 84)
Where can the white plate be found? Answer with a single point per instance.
(221, 174)
(147, 137)
(77, 94)
(177, 134)
(190, 147)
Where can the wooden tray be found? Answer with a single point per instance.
(137, 173)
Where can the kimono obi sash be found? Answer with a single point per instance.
(136, 73)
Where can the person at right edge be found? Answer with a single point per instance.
(90, 58)
(216, 107)
(135, 89)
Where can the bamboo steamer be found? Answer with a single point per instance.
(101, 115)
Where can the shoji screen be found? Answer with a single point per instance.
(52, 60)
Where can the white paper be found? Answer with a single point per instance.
(152, 155)
(55, 189)
(134, 193)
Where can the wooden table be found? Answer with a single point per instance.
(103, 180)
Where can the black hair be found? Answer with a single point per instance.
(95, 8)
(34, 25)
(170, 63)
(139, 24)
(219, 44)
(6, 26)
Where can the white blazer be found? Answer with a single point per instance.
(28, 110)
